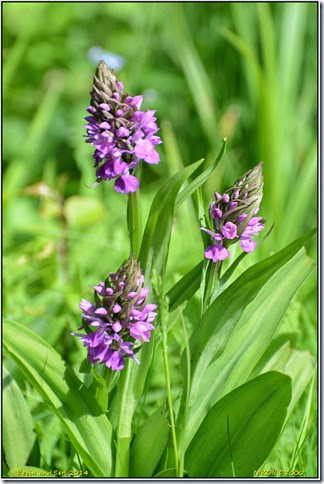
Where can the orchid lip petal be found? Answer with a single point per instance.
(217, 237)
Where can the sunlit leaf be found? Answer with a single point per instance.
(211, 336)
(86, 425)
(148, 444)
(18, 426)
(156, 238)
(239, 431)
(240, 325)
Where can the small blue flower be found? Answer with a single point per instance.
(113, 61)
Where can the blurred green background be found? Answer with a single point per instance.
(247, 72)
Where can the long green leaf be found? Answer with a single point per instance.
(277, 353)
(148, 444)
(299, 365)
(212, 334)
(18, 426)
(156, 239)
(253, 333)
(87, 426)
(240, 430)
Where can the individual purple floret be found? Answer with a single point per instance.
(120, 316)
(233, 216)
(121, 134)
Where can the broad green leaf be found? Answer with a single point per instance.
(148, 444)
(239, 431)
(299, 365)
(156, 238)
(171, 472)
(99, 390)
(252, 335)
(50, 435)
(88, 428)
(4, 469)
(18, 426)
(212, 334)
(277, 352)
(309, 413)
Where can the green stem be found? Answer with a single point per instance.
(146, 385)
(124, 428)
(212, 283)
(134, 222)
(168, 382)
(186, 395)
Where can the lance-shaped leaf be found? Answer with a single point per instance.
(212, 335)
(156, 239)
(239, 432)
(283, 357)
(18, 426)
(245, 344)
(148, 444)
(85, 423)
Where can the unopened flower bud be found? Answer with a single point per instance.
(233, 215)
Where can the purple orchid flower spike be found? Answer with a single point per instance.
(121, 133)
(233, 216)
(120, 316)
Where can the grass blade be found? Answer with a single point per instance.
(85, 423)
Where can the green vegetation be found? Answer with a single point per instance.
(247, 72)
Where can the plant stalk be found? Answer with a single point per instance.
(168, 381)
(184, 402)
(134, 222)
(212, 283)
(124, 428)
